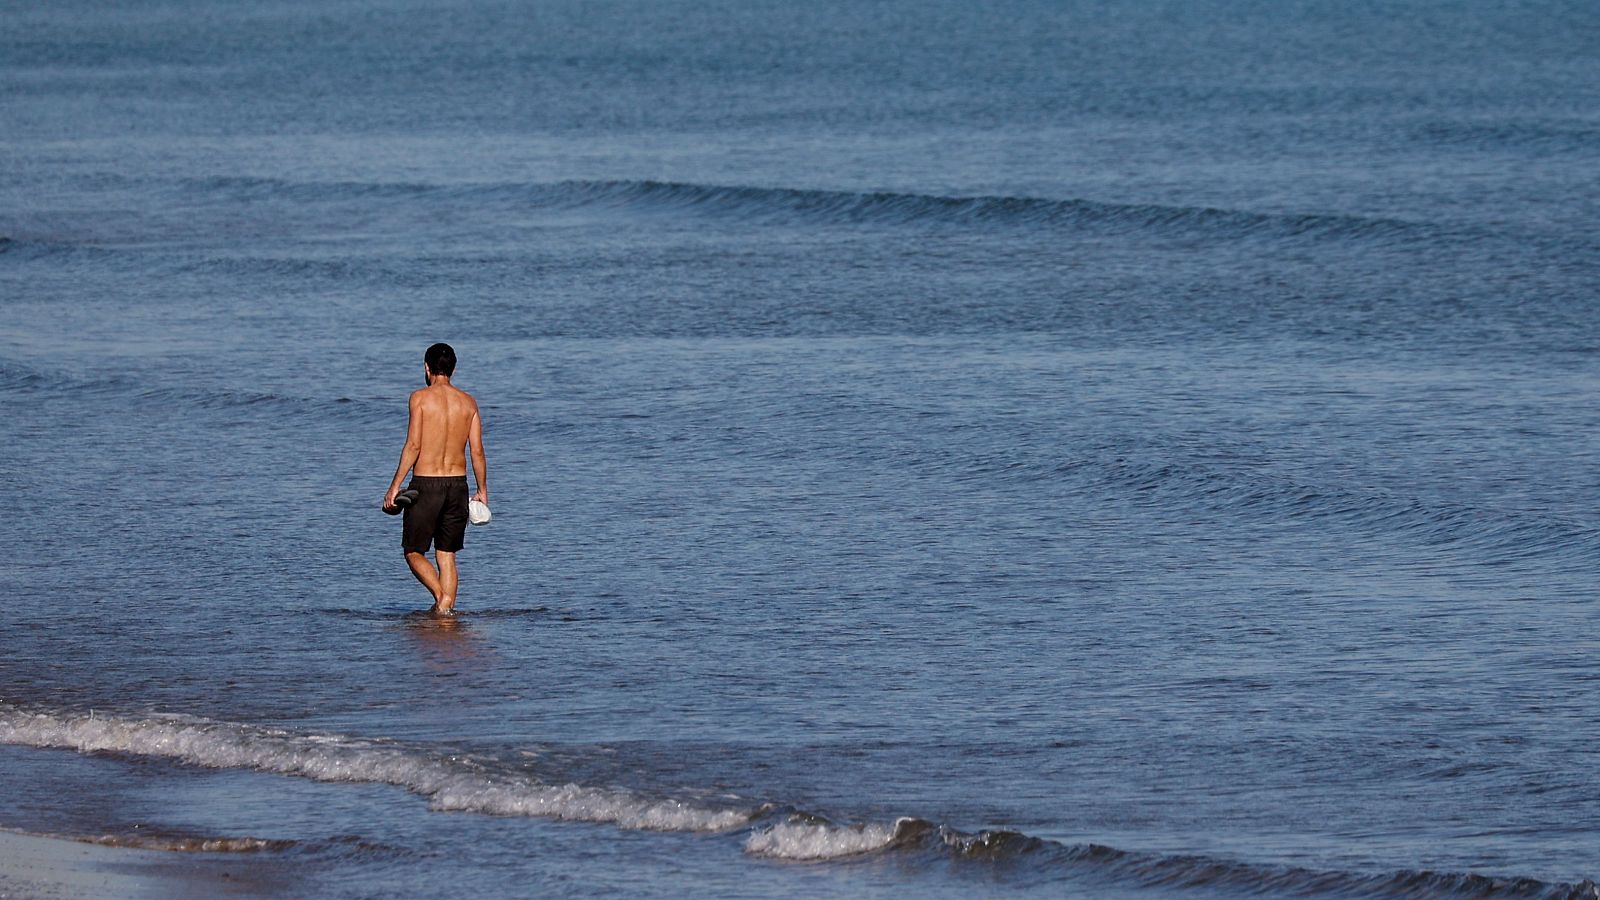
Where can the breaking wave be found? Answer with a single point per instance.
(449, 782)
(807, 839)
(454, 782)
(810, 838)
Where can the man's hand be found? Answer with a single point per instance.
(482, 496)
(388, 499)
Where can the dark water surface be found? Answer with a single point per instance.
(1061, 448)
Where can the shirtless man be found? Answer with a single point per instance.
(444, 423)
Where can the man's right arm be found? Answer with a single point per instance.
(480, 465)
(408, 453)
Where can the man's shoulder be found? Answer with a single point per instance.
(430, 397)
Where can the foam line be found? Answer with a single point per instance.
(454, 783)
(449, 783)
(807, 840)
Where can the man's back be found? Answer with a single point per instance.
(443, 414)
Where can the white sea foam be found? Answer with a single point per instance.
(813, 840)
(450, 783)
(573, 801)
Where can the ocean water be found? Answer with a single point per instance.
(1026, 448)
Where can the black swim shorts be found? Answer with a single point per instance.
(439, 516)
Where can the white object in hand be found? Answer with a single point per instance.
(478, 512)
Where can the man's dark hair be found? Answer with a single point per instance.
(441, 360)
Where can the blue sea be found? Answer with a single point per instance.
(1088, 448)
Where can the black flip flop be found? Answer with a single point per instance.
(402, 500)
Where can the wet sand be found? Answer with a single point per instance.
(32, 866)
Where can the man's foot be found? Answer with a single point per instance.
(444, 606)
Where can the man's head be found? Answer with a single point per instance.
(440, 360)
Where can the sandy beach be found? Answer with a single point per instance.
(32, 866)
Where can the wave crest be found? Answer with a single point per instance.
(457, 783)
(777, 205)
(449, 782)
(808, 838)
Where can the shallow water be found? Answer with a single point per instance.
(1060, 448)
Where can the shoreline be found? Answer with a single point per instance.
(41, 866)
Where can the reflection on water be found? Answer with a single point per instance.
(447, 644)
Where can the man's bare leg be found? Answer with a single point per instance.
(426, 573)
(448, 581)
